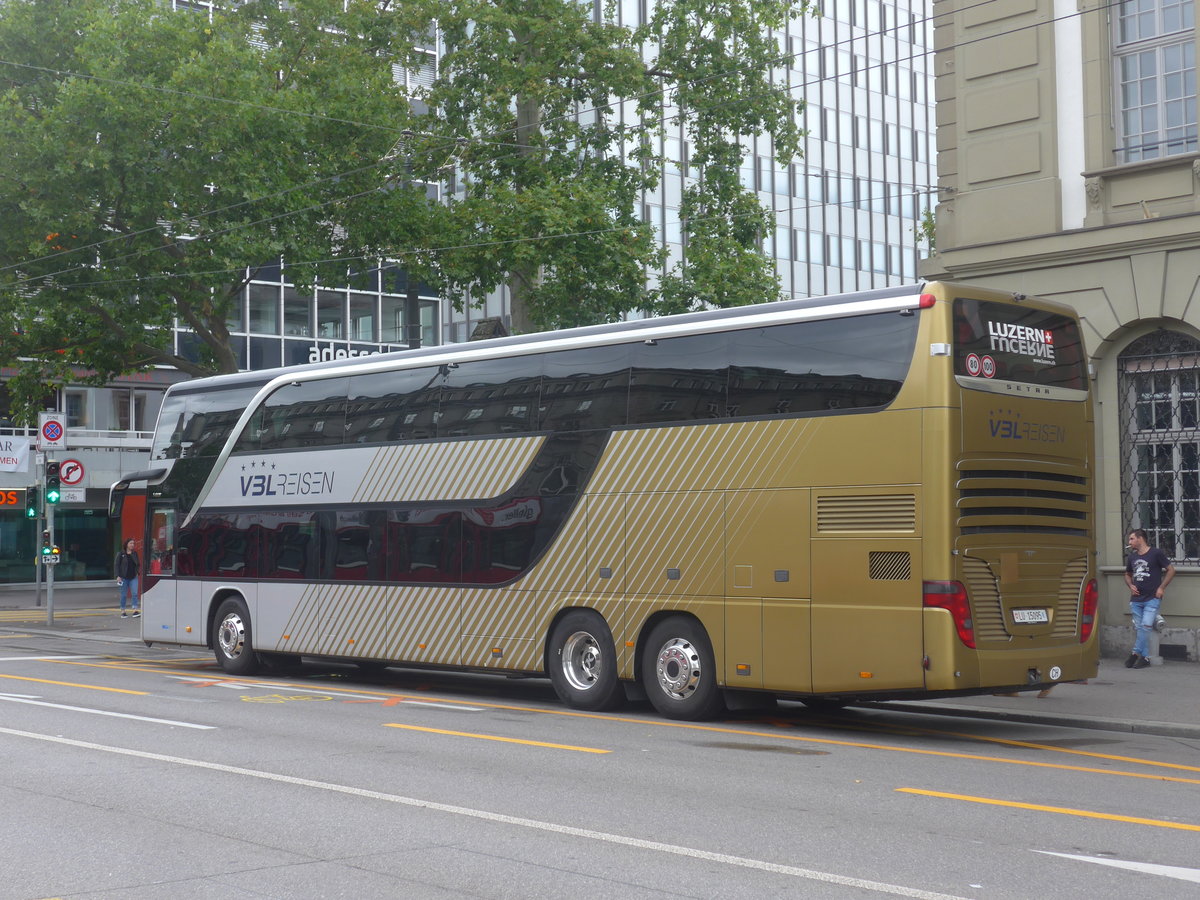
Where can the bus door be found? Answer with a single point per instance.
(159, 584)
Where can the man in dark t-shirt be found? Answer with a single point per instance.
(1147, 572)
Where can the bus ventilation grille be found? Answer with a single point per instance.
(1020, 501)
(1070, 588)
(986, 610)
(889, 565)
(871, 513)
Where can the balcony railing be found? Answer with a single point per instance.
(93, 439)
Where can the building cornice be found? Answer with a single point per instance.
(1084, 245)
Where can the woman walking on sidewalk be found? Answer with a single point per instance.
(127, 567)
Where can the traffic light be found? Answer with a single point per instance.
(53, 481)
(31, 503)
(47, 548)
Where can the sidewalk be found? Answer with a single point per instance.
(1162, 700)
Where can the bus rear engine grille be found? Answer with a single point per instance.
(987, 609)
(1011, 501)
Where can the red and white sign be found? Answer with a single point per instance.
(52, 432)
(71, 472)
(973, 364)
(989, 367)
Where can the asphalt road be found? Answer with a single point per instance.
(135, 772)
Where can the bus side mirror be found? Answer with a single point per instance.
(116, 500)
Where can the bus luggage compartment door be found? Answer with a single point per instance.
(866, 615)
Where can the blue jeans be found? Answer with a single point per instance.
(1144, 613)
(129, 589)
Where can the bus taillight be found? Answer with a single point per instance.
(952, 596)
(927, 301)
(1087, 620)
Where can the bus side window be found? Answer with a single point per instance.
(304, 414)
(585, 388)
(673, 380)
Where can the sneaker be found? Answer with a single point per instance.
(1160, 623)
(1142, 663)
(123, 616)
(1133, 658)
(137, 614)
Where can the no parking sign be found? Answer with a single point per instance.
(52, 432)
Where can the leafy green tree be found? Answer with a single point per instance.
(150, 156)
(551, 180)
(546, 207)
(714, 61)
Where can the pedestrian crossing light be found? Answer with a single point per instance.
(31, 503)
(53, 482)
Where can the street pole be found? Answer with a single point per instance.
(50, 568)
(39, 477)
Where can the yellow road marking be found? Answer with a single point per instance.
(1033, 745)
(1061, 810)
(493, 737)
(32, 615)
(4, 637)
(90, 687)
(1091, 753)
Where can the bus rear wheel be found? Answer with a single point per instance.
(679, 671)
(583, 662)
(233, 641)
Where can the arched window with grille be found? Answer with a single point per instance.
(1159, 391)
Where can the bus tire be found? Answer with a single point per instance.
(679, 671)
(583, 662)
(233, 638)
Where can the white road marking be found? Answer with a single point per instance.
(338, 695)
(211, 682)
(22, 696)
(895, 890)
(1179, 872)
(104, 712)
(443, 705)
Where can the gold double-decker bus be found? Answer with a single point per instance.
(876, 495)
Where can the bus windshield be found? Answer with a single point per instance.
(1010, 342)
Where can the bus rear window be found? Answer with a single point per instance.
(1003, 342)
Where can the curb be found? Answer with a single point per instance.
(73, 635)
(1098, 723)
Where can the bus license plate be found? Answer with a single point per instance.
(1030, 616)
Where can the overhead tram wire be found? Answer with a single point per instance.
(481, 140)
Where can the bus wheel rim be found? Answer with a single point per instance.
(678, 669)
(232, 636)
(582, 661)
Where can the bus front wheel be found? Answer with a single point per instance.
(679, 671)
(583, 662)
(233, 640)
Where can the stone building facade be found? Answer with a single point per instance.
(1068, 167)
